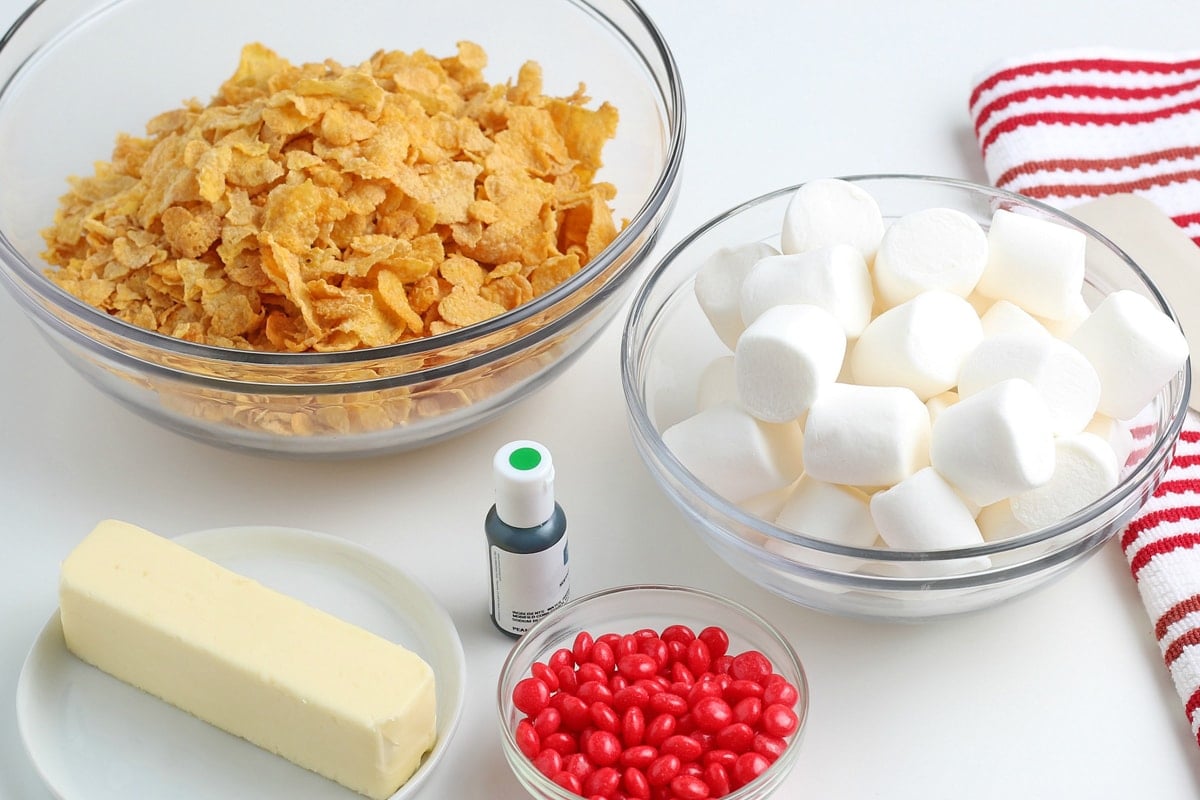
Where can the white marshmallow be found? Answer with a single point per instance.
(767, 505)
(1035, 263)
(834, 278)
(997, 522)
(1003, 316)
(866, 435)
(1067, 381)
(734, 454)
(717, 384)
(939, 403)
(682, 350)
(785, 358)
(936, 248)
(923, 512)
(936, 405)
(831, 211)
(1116, 433)
(919, 344)
(1135, 348)
(996, 443)
(828, 511)
(718, 287)
(1085, 468)
(1077, 311)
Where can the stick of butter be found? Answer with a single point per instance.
(322, 693)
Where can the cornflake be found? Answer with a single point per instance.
(321, 208)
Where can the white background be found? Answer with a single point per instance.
(1058, 695)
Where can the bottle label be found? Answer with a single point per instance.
(528, 586)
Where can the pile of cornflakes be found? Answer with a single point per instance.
(325, 208)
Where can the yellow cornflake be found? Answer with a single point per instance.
(321, 207)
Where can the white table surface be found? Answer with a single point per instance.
(1061, 694)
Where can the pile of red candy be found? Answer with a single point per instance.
(654, 715)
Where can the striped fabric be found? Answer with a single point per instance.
(1162, 546)
(1070, 127)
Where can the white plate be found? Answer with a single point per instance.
(93, 737)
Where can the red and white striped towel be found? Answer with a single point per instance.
(1069, 127)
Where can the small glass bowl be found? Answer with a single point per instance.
(625, 610)
(667, 341)
(147, 56)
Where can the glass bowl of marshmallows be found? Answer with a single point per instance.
(902, 397)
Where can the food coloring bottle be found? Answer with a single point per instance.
(527, 539)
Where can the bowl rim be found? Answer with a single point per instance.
(649, 439)
(29, 281)
(785, 762)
